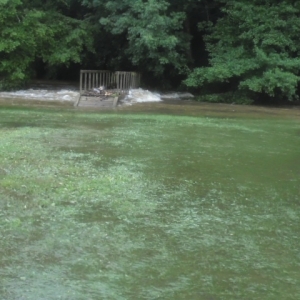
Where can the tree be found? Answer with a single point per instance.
(255, 47)
(150, 33)
(28, 32)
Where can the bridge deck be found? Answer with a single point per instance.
(97, 101)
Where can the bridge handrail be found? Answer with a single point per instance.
(120, 80)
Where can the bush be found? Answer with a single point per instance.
(229, 97)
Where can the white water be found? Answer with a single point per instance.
(134, 96)
(47, 95)
(140, 95)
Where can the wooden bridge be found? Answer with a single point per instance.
(101, 88)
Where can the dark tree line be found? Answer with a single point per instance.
(246, 48)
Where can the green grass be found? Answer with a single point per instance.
(148, 206)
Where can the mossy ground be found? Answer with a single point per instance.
(148, 206)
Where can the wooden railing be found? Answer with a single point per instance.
(126, 81)
(122, 82)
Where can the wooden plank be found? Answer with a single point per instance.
(77, 100)
(123, 81)
(117, 80)
(115, 102)
(133, 80)
(128, 81)
(80, 83)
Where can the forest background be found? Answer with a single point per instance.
(231, 51)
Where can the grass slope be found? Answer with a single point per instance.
(135, 206)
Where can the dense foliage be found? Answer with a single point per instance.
(36, 31)
(255, 47)
(246, 46)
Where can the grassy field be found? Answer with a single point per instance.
(148, 206)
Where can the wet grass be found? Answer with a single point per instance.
(148, 206)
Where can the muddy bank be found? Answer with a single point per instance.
(182, 107)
